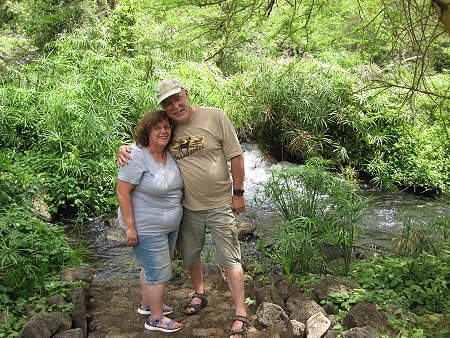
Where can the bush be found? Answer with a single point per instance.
(321, 216)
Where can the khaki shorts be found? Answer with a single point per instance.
(221, 223)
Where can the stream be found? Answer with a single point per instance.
(382, 222)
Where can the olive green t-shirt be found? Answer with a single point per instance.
(202, 148)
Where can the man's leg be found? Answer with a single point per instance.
(222, 224)
(190, 243)
(196, 273)
(235, 278)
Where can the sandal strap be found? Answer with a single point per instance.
(156, 321)
(197, 307)
(242, 319)
(243, 329)
(159, 320)
(202, 296)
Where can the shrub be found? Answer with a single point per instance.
(321, 216)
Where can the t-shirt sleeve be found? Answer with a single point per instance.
(133, 171)
(230, 141)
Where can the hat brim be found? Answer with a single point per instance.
(168, 94)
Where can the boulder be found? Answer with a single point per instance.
(317, 325)
(367, 315)
(271, 315)
(303, 310)
(329, 284)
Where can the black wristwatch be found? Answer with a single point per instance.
(238, 192)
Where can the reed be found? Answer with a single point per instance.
(321, 217)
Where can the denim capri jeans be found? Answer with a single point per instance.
(154, 254)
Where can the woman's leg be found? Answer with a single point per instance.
(153, 295)
(153, 254)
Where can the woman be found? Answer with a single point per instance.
(149, 190)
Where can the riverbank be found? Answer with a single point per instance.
(113, 311)
(277, 309)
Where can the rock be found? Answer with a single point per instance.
(271, 315)
(295, 299)
(74, 333)
(79, 311)
(3, 316)
(330, 334)
(215, 275)
(63, 320)
(359, 332)
(286, 290)
(329, 284)
(245, 230)
(56, 300)
(80, 273)
(268, 294)
(39, 326)
(303, 310)
(367, 315)
(317, 325)
(293, 329)
(40, 208)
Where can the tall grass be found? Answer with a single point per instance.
(418, 237)
(321, 217)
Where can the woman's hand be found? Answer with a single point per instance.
(132, 239)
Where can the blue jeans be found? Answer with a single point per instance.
(154, 254)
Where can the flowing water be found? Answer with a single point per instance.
(382, 222)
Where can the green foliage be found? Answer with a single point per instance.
(321, 215)
(121, 29)
(68, 132)
(17, 310)
(307, 281)
(418, 237)
(419, 285)
(297, 246)
(30, 250)
(341, 302)
(15, 186)
(414, 292)
(299, 109)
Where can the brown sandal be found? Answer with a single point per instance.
(196, 307)
(243, 330)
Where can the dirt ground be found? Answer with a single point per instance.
(113, 314)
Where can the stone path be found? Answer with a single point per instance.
(112, 310)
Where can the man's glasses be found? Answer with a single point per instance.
(177, 99)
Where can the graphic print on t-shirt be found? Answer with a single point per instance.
(186, 146)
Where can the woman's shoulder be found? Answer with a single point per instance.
(136, 149)
(137, 153)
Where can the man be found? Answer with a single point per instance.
(204, 139)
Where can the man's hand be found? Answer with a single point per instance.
(123, 155)
(238, 204)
